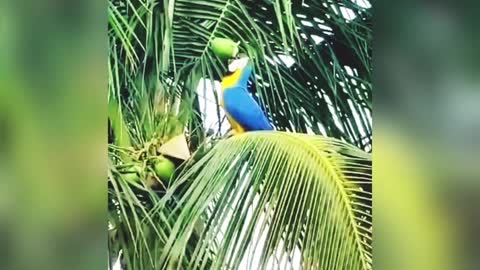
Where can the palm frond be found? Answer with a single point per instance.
(274, 199)
(136, 234)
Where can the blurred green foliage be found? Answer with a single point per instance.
(427, 116)
(53, 114)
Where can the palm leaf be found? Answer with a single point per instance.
(136, 233)
(274, 199)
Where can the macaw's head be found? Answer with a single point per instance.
(238, 63)
(235, 68)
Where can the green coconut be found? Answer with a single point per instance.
(224, 48)
(132, 173)
(131, 177)
(164, 168)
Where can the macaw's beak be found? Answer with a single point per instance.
(238, 64)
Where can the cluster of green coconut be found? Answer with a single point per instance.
(142, 167)
(162, 166)
(156, 163)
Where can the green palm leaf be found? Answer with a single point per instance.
(274, 199)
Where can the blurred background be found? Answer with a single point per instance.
(53, 143)
(53, 92)
(426, 131)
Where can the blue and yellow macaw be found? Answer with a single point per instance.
(243, 112)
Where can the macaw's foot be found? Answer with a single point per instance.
(230, 133)
(233, 132)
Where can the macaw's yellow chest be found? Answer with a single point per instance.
(228, 82)
(237, 128)
(231, 80)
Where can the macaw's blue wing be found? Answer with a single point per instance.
(244, 110)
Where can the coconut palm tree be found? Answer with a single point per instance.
(298, 197)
